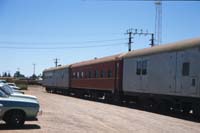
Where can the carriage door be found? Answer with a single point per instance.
(141, 71)
(144, 73)
(187, 78)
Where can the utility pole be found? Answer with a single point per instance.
(129, 32)
(139, 32)
(152, 40)
(34, 68)
(56, 62)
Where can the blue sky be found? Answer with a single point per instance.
(54, 24)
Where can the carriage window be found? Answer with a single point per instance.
(92, 74)
(78, 75)
(144, 67)
(63, 75)
(102, 74)
(186, 69)
(89, 74)
(86, 75)
(96, 74)
(81, 75)
(74, 75)
(109, 73)
(193, 82)
(139, 67)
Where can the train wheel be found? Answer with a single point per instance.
(47, 90)
(151, 105)
(196, 111)
(186, 107)
(164, 106)
(108, 98)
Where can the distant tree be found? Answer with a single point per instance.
(34, 77)
(17, 74)
(8, 75)
(5, 74)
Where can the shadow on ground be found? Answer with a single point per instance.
(188, 117)
(25, 127)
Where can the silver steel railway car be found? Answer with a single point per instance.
(165, 76)
(56, 79)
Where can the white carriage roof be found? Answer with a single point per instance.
(56, 68)
(181, 45)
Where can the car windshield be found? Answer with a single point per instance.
(2, 94)
(2, 81)
(10, 84)
(6, 89)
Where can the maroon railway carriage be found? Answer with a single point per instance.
(98, 77)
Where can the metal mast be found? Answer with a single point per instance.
(158, 22)
(33, 68)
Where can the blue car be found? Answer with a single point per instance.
(16, 110)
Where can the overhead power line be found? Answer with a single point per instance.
(60, 43)
(141, 0)
(64, 47)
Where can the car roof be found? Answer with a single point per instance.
(10, 83)
(2, 84)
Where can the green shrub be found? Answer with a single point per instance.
(22, 86)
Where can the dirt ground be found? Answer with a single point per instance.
(63, 114)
